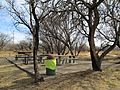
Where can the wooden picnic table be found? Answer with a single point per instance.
(61, 59)
(23, 54)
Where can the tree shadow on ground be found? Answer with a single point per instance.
(28, 83)
(58, 81)
(19, 84)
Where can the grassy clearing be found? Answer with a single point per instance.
(15, 79)
(12, 78)
(82, 54)
(115, 52)
(7, 53)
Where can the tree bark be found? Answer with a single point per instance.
(35, 33)
(35, 58)
(93, 23)
(96, 62)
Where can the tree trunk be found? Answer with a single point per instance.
(35, 59)
(93, 23)
(96, 61)
(35, 62)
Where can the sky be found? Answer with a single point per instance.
(7, 25)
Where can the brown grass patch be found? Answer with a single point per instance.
(7, 53)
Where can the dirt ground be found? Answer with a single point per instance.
(77, 76)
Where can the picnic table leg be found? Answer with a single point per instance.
(26, 61)
(73, 59)
(66, 61)
(39, 59)
(69, 59)
(16, 58)
(63, 61)
(58, 60)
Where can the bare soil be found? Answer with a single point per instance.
(77, 76)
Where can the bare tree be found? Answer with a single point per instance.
(52, 45)
(93, 22)
(30, 15)
(89, 13)
(110, 19)
(4, 40)
(113, 13)
(1, 6)
(60, 26)
(47, 44)
(24, 45)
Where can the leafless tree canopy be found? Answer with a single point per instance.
(64, 26)
(4, 40)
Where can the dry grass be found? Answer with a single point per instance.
(12, 78)
(7, 53)
(82, 53)
(115, 52)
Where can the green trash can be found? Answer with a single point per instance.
(50, 64)
(50, 72)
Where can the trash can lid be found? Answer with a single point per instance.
(50, 57)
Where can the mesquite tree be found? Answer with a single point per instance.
(30, 14)
(61, 27)
(4, 40)
(88, 14)
(93, 20)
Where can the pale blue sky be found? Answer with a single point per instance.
(7, 26)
